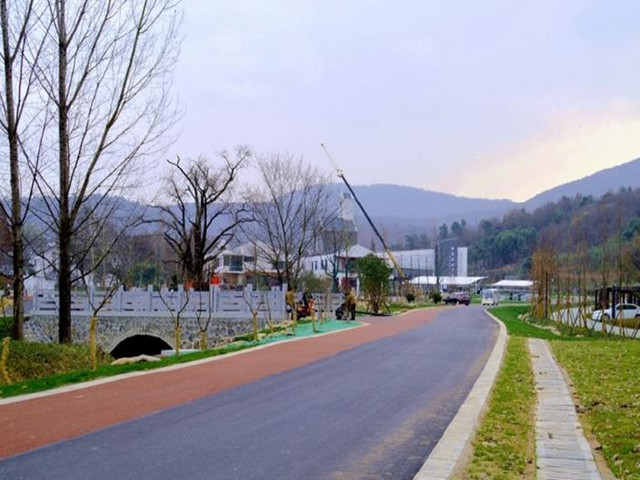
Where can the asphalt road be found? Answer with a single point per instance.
(375, 411)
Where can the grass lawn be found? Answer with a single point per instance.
(518, 328)
(604, 371)
(38, 367)
(504, 445)
(606, 376)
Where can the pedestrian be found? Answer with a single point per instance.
(290, 299)
(351, 305)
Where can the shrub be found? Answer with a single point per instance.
(36, 360)
(436, 297)
(410, 297)
(6, 326)
(374, 278)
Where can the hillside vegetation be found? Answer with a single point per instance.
(606, 228)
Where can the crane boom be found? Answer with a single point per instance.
(403, 277)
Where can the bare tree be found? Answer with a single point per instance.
(176, 302)
(109, 83)
(339, 240)
(204, 321)
(16, 25)
(202, 218)
(287, 209)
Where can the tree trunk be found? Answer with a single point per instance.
(64, 287)
(65, 230)
(16, 208)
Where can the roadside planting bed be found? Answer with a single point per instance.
(604, 374)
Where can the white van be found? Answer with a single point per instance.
(490, 296)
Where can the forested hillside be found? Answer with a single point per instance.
(606, 228)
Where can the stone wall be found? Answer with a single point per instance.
(114, 329)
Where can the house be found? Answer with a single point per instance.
(337, 265)
(242, 265)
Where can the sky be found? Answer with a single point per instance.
(494, 99)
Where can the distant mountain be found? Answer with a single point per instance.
(410, 203)
(399, 210)
(597, 184)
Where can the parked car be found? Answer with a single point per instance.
(458, 297)
(623, 310)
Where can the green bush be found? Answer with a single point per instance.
(410, 297)
(435, 296)
(374, 279)
(6, 326)
(29, 360)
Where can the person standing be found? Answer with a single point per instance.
(351, 305)
(290, 298)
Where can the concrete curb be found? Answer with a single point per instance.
(450, 454)
(115, 378)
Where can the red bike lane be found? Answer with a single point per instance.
(33, 423)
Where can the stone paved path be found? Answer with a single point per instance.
(562, 450)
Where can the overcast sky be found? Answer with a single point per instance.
(499, 99)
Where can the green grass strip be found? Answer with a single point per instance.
(504, 446)
(606, 376)
(518, 328)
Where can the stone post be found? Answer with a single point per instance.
(248, 295)
(178, 306)
(215, 299)
(150, 298)
(118, 299)
(90, 297)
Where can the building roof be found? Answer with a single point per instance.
(513, 284)
(358, 251)
(453, 281)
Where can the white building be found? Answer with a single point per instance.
(447, 283)
(329, 264)
(514, 289)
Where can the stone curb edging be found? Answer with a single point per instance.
(115, 378)
(451, 452)
(562, 450)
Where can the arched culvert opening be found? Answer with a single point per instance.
(139, 344)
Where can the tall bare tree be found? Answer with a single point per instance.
(202, 218)
(288, 209)
(339, 239)
(109, 83)
(16, 24)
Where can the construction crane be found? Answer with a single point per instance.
(401, 275)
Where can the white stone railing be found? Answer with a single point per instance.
(189, 303)
(219, 303)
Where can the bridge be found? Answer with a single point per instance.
(145, 321)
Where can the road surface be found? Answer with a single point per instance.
(372, 411)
